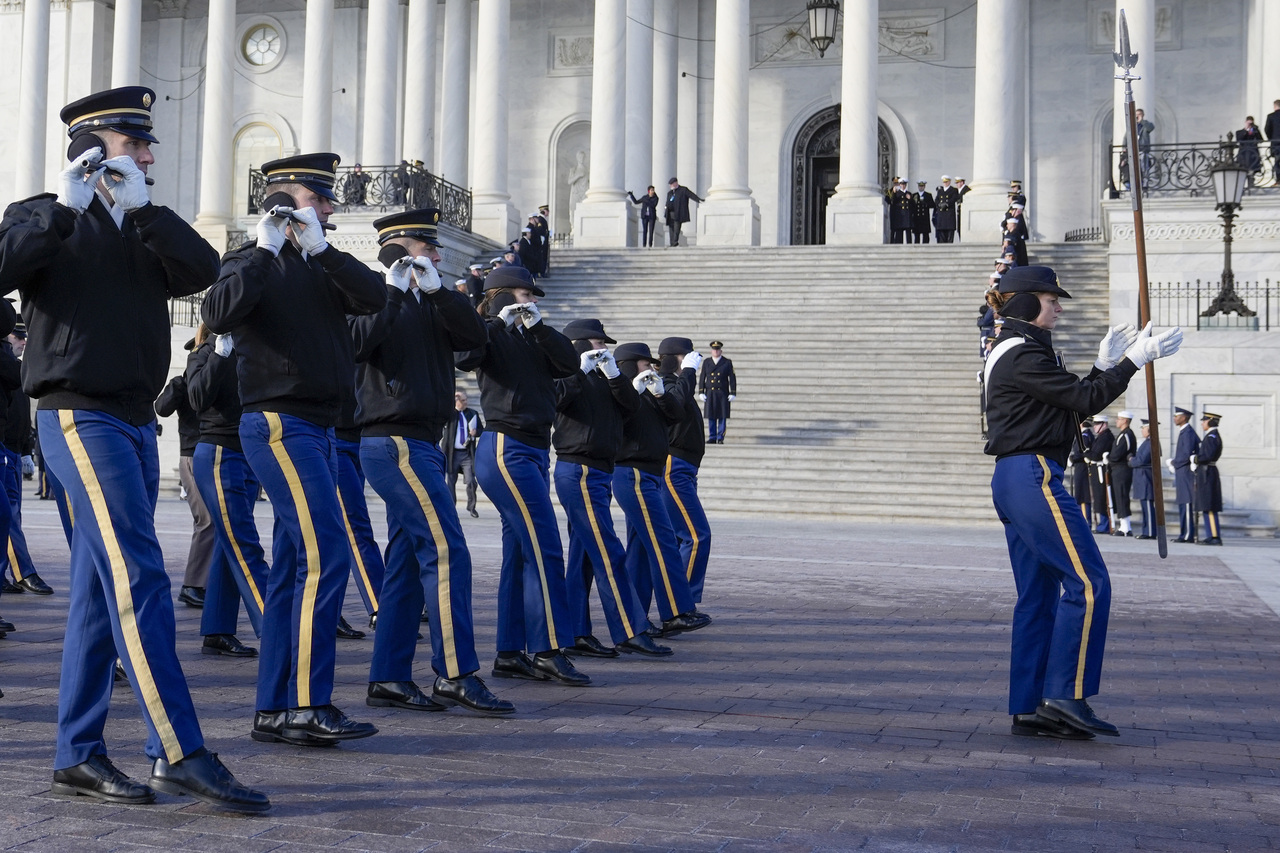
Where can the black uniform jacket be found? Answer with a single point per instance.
(644, 435)
(213, 390)
(648, 204)
(686, 438)
(517, 369)
(1032, 401)
(1125, 446)
(96, 300)
(590, 411)
(174, 400)
(404, 355)
(719, 383)
(288, 319)
(12, 400)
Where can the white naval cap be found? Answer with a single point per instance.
(1126, 414)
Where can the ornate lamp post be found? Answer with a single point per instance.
(823, 15)
(1229, 179)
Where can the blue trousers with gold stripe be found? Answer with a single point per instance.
(533, 611)
(586, 494)
(1149, 518)
(425, 535)
(367, 566)
(1064, 592)
(239, 569)
(1211, 529)
(653, 555)
(296, 462)
(16, 556)
(693, 531)
(121, 603)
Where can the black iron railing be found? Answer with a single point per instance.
(185, 310)
(1083, 235)
(1183, 168)
(236, 239)
(1183, 303)
(386, 188)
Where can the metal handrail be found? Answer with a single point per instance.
(1183, 168)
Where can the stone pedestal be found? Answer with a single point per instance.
(215, 232)
(497, 220)
(605, 224)
(853, 220)
(980, 214)
(729, 222)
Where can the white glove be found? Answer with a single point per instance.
(1193, 463)
(531, 316)
(76, 187)
(1147, 349)
(509, 314)
(1106, 459)
(691, 359)
(609, 365)
(641, 380)
(1113, 346)
(1169, 463)
(223, 345)
(656, 388)
(702, 398)
(271, 233)
(28, 466)
(425, 275)
(130, 192)
(587, 361)
(309, 231)
(398, 273)
(732, 397)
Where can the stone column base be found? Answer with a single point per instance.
(980, 219)
(855, 219)
(215, 232)
(498, 221)
(605, 224)
(729, 222)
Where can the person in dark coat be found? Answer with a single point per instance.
(459, 446)
(475, 284)
(962, 190)
(544, 230)
(921, 213)
(1249, 136)
(945, 200)
(18, 446)
(1080, 468)
(1208, 481)
(677, 209)
(900, 207)
(717, 389)
(1143, 489)
(648, 214)
(1272, 129)
(1121, 474)
(1097, 456)
(1014, 242)
(1185, 447)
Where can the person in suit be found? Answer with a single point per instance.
(717, 389)
(1208, 481)
(1097, 456)
(677, 209)
(921, 213)
(1121, 474)
(1272, 130)
(1143, 489)
(945, 199)
(1185, 446)
(1248, 137)
(648, 214)
(459, 445)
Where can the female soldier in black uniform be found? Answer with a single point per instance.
(1064, 593)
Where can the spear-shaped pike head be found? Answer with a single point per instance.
(1124, 57)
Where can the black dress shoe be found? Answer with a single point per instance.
(306, 725)
(346, 632)
(1076, 712)
(690, 621)
(268, 726)
(10, 588)
(559, 667)
(643, 644)
(1213, 541)
(425, 618)
(517, 666)
(400, 694)
(227, 644)
(34, 585)
(1142, 536)
(1034, 725)
(192, 596)
(203, 776)
(98, 778)
(589, 646)
(474, 514)
(119, 674)
(6, 626)
(373, 621)
(470, 692)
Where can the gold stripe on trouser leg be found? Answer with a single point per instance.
(444, 590)
(533, 537)
(1212, 515)
(123, 592)
(361, 572)
(604, 554)
(693, 534)
(231, 533)
(657, 546)
(1079, 570)
(307, 617)
(13, 560)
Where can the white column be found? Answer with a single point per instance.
(605, 217)
(1141, 15)
(665, 21)
(378, 146)
(420, 84)
(33, 104)
(855, 214)
(638, 170)
(455, 94)
(215, 144)
(126, 43)
(317, 77)
(730, 216)
(999, 112)
(492, 213)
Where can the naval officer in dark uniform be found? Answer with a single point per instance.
(1121, 474)
(96, 265)
(1143, 489)
(1208, 481)
(717, 389)
(1184, 479)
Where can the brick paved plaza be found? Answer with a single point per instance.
(850, 696)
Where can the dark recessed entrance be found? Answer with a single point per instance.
(816, 171)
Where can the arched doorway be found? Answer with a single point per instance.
(255, 144)
(815, 171)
